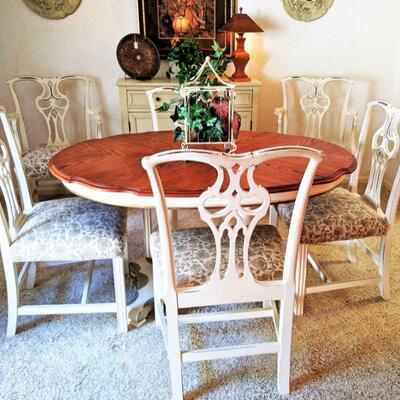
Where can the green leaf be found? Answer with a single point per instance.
(164, 107)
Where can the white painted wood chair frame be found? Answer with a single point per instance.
(53, 105)
(315, 103)
(9, 227)
(232, 287)
(385, 148)
(173, 214)
(152, 104)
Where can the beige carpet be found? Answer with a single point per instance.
(346, 346)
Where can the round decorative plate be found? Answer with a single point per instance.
(53, 9)
(307, 10)
(138, 56)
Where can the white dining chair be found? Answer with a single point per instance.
(343, 216)
(318, 107)
(232, 260)
(67, 230)
(50, 114)
(156, 98)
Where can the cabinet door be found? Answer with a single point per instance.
(141, 122)
(246, 120)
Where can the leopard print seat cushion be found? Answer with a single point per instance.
(72, 229)
(36, 161)
(337, 215)
(194, 252)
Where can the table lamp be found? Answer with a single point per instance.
(240, 24)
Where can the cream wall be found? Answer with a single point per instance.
(358, 39)
(83, 43)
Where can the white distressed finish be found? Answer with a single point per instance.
(385, 149)
(231, 217)
(153, 98)
(9, 227)
(53, 105)
(315, 103)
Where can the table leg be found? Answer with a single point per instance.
(140, 277)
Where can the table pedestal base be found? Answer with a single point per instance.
(141, 277)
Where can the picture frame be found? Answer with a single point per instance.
(167, 21)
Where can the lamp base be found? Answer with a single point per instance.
(240, 59)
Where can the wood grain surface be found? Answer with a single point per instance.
(114, 164)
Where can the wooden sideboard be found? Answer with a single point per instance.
(135, 112)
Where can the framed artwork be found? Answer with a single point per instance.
(167, 21)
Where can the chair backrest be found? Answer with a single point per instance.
(15, 211)
(154, 102)
(385, 145)
(225, 208)
(53, 102)
(314, 104)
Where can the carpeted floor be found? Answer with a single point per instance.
(346, 346)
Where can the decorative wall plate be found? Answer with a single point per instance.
(53, 9)
(307, 10)
(138, 56)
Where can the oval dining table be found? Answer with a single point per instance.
(109, 170)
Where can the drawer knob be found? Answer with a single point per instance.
(158, 98)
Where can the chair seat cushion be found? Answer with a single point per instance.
(337, 215)
(194, 252)
(36, 161)
(71, 229)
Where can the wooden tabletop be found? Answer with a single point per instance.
(113, 164)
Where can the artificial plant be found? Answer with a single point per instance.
(185, 60)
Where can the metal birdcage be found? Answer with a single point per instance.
(215, 104)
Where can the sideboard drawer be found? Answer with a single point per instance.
(245, 124)
(244, 98)
(138, 99)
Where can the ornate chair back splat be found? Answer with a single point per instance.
(54, 105)
(317, 107)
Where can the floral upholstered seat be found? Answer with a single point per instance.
(71, 229)
(194, 251)
(36, 161)
(337, 215)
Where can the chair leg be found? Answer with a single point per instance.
(10, 270)
(35, 194)
(147, 231)
(285, 342)
(120, 294)
(300, 279)
(173, 218)
(126, 256)
(351, 251)
(384, 267)
(174, 353)
(273, 216)
(158, 311)
(30, 280)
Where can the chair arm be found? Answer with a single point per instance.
(95, 114)
(353, 131)
(280, 112)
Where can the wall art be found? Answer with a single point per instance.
(167, 21)
(307, 10)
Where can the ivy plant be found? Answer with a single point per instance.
(185, 60)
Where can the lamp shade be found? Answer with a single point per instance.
(240, 23)
(180, 24)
